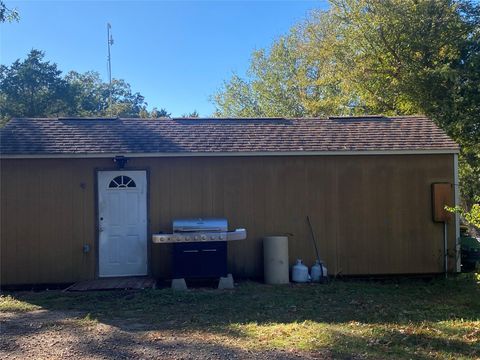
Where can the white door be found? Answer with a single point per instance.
(122, 219)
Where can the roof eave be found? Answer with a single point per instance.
(231, 154)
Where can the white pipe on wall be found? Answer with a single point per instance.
(445, 247)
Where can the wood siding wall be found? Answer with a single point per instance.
(371, 214)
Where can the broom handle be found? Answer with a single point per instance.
(314, 241)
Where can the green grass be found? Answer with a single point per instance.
(10, 303)
(371, 319)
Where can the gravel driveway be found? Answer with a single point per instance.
(45, 334)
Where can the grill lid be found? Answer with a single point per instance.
(200, 225)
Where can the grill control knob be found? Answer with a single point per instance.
(203, 237)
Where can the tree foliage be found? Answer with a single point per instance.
(374, 57)
(193, 114)
(7, 14)
(298, 76)
(472, 216)
(36, 88)
(158, 113)
(93, 97)
(33, 87)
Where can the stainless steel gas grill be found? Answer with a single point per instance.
(199, 230)
(199, 247)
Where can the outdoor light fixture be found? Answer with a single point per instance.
(120, 161)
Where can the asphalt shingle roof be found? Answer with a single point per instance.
(107, 136)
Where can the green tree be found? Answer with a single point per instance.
(407, 56)
(33, 87)
(411, 56)
(93, 97)
(36, 88)
(236, 98)
(297, 76)
(471, 217)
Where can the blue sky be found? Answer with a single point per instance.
(176, 53)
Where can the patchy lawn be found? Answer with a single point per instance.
(343, 319)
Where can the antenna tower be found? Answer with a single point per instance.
(109, 61)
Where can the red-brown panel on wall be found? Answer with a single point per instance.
(442, 195)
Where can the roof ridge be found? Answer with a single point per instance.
(266, 118)
(87, 118)
(378, 116)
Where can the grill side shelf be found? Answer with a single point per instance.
(188, 237)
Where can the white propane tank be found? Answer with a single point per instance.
(316, 272)
(300, 272)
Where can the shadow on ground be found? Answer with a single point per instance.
(398, 319)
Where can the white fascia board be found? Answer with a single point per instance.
(226, 154)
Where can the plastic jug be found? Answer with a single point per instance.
(300, 272)
(316, 272)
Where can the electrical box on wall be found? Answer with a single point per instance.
(442, 195)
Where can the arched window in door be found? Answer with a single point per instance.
(122, 181)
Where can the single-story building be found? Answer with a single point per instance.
(365, 183)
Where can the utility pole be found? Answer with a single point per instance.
(109, 64)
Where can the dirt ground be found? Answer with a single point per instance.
(46, 334)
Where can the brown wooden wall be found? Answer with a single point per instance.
(372, 214)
